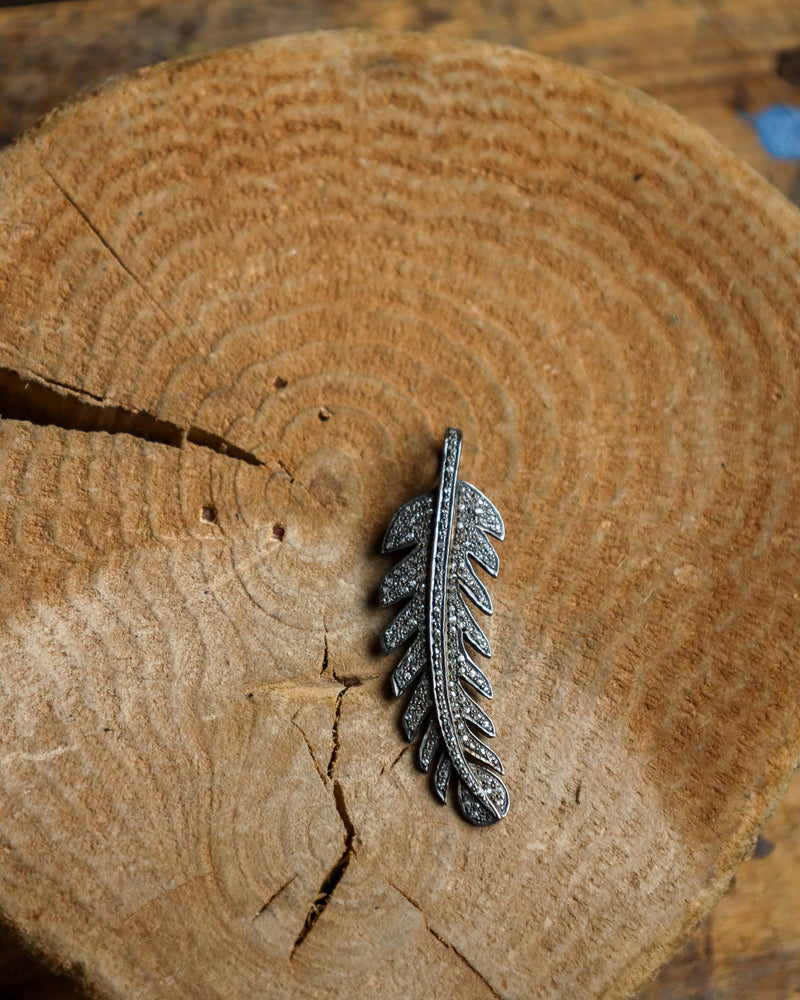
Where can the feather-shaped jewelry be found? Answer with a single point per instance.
(447, 527)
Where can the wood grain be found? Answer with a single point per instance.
(748, 948)
(711, 61)
(250, 290)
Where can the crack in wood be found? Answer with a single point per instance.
(397, 759)
(444, 941)
(285, 470)
(151, 298)
(317, 768)
(274, 896)
(346, 680)
(325, 648)
(34, 400)
(334, 876)
(335, 732)
(70, 388)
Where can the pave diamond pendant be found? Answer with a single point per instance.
(447, 528)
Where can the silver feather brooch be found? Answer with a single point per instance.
(447, 528)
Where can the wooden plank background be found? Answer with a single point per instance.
(710, 59)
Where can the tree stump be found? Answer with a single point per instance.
(242, 297)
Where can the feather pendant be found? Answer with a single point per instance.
(447, 528)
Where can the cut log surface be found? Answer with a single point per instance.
(241, 298)
(710, 61)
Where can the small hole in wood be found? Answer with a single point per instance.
(763, 848)
(278, 531)
(638, 176)
(279, 383)
(209, 515)
(324, 413)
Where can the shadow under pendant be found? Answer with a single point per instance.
(447, 528)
